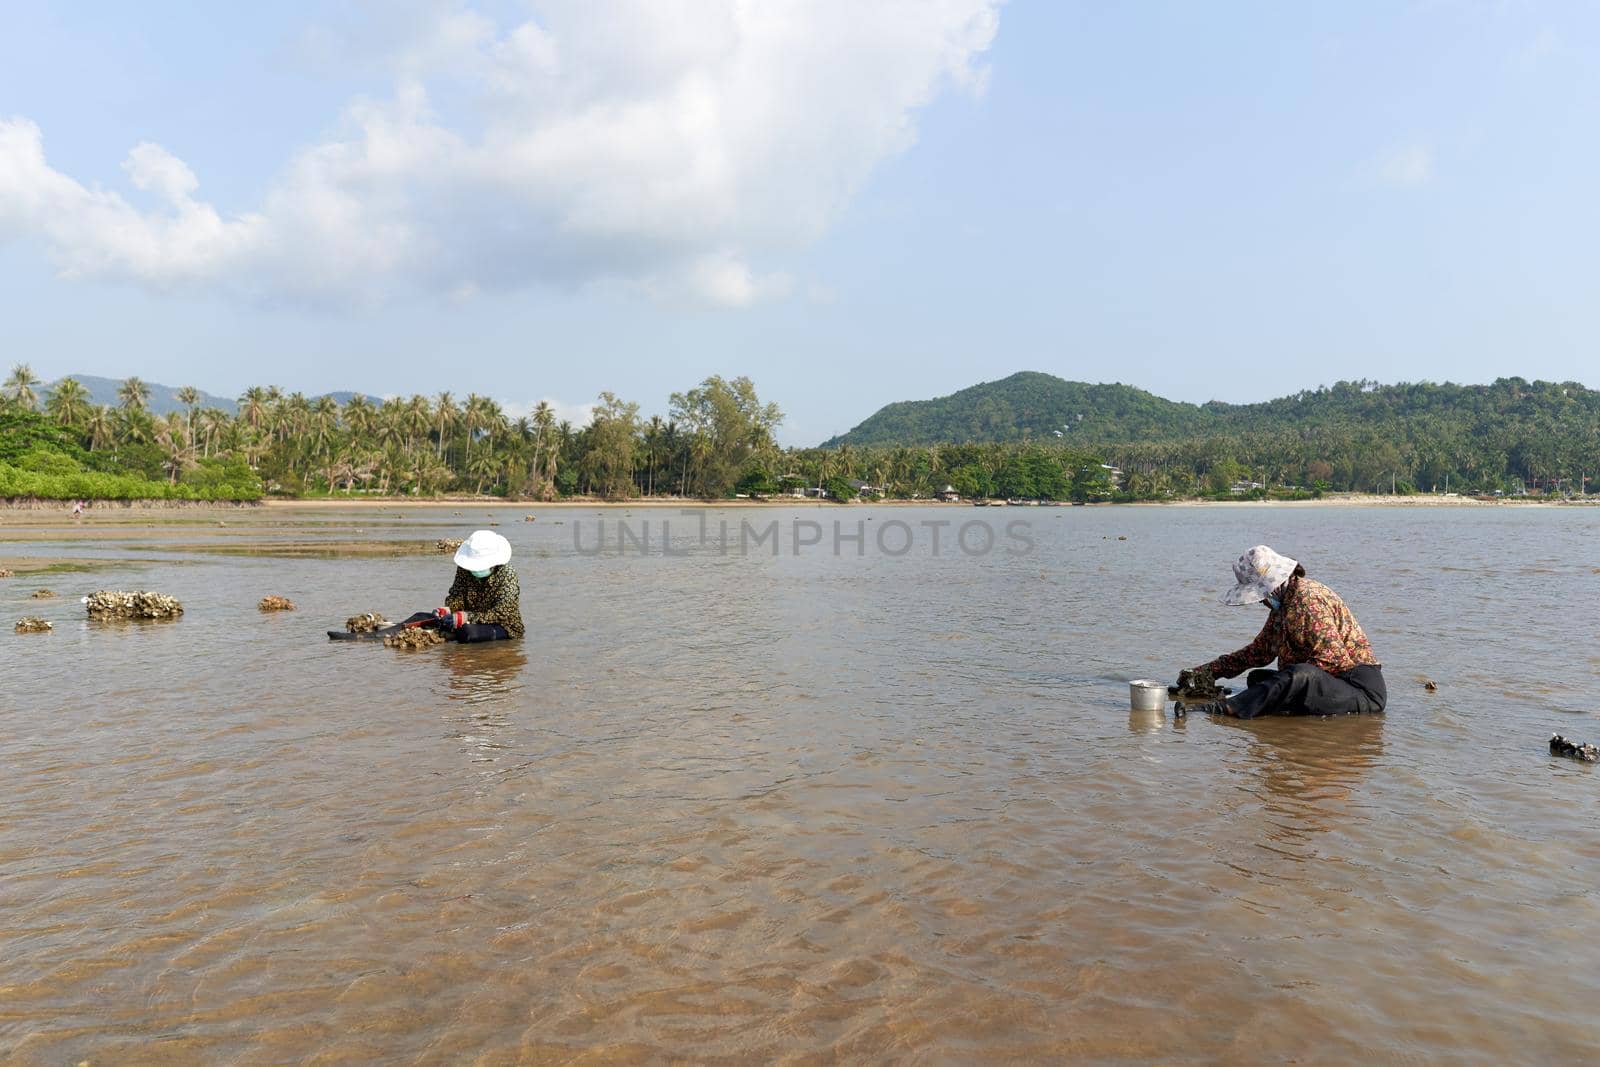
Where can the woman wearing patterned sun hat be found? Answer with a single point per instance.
(1325, 663)
(484, 602)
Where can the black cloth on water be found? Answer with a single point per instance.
(481, 631)
(1306, 689)
(471, 633)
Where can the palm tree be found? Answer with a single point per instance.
(444, 417)
(189, 397)
(323, 422)
(483, 468)
(100, 429)
(358, 416)
(68, 403)
(494, 421)
(295, 416)
(652, 442)
(253, 407)
(20, 386)
(134, 395)
(390, 425)
(418, 418)
(213, 425)
(134, 426)
(177, 452)
(472, 416)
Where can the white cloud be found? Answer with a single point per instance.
(1408, 167)
(580, 415)
(670, 145)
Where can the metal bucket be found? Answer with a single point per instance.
(1147, 695)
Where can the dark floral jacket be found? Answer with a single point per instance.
(1312, 626)
(497, 598)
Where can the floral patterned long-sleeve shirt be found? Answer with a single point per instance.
(1312, 626)
(495, 599)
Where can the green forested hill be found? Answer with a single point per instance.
(1351, 435)
(1029, 405)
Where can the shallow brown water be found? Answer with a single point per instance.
(802, 809)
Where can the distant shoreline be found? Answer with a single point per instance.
(41, 508)
(1330, 500)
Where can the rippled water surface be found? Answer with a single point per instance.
(797, 808)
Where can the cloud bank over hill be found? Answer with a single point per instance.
(677, 147)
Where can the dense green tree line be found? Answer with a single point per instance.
(718, 440)
(286, 443)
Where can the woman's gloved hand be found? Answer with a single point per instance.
(440, 613)
(450, 620)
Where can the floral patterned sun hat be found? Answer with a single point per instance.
(1259, 572)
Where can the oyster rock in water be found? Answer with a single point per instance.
(414, 638)
(32, 624)
(116, 604)
(447, 544)
(1561, 746)
(365, 623)
(275, 603)
(1196, 687)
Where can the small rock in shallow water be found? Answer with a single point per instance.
(44, 594)
(275, 603)
(116, 604)
(7, 574)
(1561, 746)
(32, 624)
(447, 544)
(1431, 686)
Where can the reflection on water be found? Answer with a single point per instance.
(493, 671)
(1312, 770)
(858, 808)
(1147, 722)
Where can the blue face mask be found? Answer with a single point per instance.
(480, 574)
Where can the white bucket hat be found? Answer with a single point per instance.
(1259, 571)
(483, 550)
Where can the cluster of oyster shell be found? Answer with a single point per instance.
(1196, 687)
(116, 604)
(414, 638)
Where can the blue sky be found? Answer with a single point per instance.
(851, 203)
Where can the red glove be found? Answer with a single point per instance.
(440, 613)
(454, 619)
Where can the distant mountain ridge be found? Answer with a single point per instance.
(164, 398)
(1029, 405)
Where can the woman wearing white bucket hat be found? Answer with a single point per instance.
(1325, 663)
(484, 601)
